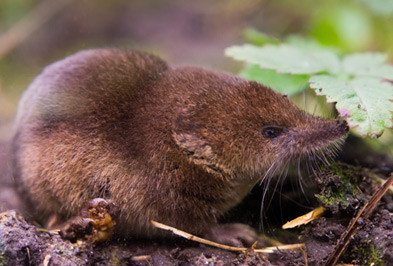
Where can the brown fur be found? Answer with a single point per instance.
(178, 145)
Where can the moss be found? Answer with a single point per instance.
(364, 254)
(373, 256)
(339, 185)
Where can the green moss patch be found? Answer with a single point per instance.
(339, 186)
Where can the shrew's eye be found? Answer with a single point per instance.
(272, 132)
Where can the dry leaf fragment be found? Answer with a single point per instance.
(305, 219)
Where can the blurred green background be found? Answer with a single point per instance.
(34, 33)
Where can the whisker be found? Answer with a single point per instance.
(315, 108)
(300, 177)
(276, 165)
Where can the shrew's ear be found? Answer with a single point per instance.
(193, 145)
(185, 134)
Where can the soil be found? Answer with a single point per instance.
(26, 243)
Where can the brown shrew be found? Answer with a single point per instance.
(179, 145)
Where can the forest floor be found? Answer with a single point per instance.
(342, 189)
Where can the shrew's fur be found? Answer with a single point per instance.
(178, 145)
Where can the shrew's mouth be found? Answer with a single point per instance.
(302, 165)
(308, 157)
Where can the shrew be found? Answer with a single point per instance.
(179, 145)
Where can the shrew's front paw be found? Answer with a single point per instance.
(95, 222)
(239, 235)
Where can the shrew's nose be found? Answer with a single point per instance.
(342, 124)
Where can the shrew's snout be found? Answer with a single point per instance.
(317, 133)
(327, 130)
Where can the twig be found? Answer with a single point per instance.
(305, 257)
(380, 180)
(218, 245)
(30, 23)
(364, 213)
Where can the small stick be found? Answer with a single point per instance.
(364, 212)
(305, 257)
(218, 245)
(380, 180)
